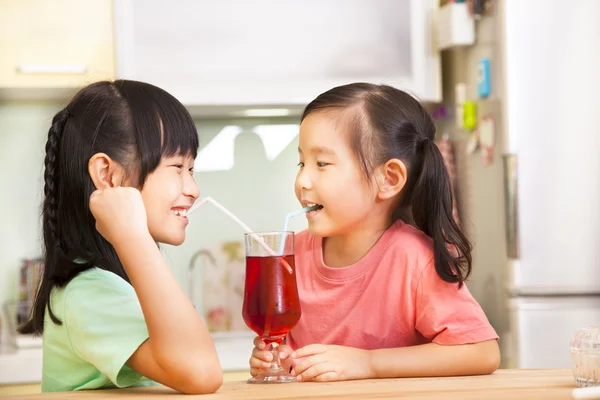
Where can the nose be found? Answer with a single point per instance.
(303, 181)
(190, 188)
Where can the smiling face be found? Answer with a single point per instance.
(330, 176)
(169, 191)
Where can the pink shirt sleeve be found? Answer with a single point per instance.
(448, 315)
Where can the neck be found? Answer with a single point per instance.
(348, 248)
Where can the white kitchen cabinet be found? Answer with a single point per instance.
(274, 52)
(546, 326)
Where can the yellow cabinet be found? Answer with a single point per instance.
(55, 44)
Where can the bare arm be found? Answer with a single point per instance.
(435, 360)
(179, 352)
(332, 363)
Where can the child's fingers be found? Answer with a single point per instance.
(259, 343)
(324, 377)
(287, 364)
(256, 371)
(309, 350)
(285, 351)
(309, 363)
(323, 369)
(256, 363)
(264, 356)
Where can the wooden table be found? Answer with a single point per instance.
(508, 384)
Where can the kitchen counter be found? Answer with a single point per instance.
(25, 364)
(512, 384)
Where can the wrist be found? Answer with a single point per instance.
(370, 358)
(134, 241)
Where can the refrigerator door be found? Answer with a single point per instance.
(553, 126)
(542, 328)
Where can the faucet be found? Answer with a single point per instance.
(192, 266)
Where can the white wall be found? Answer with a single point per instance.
(23, 131)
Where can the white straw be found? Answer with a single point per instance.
(293, 214)
(287, 220)
(205, 200)
(260, 241)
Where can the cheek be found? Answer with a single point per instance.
(349, 194)
(297, 187)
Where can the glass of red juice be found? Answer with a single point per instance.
(271, 304)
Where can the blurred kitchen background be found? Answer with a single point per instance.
(513, 86)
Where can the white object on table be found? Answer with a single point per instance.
(592, 392)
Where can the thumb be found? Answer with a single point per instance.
(285, 351)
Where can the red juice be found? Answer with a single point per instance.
(271, 305)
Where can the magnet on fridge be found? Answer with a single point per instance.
(469, 115)
(460, 96)
(483, 78)
(460, 93)
(472, 142)
(487, 138)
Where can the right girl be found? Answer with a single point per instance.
(382, 266)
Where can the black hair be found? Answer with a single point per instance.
(386, 123)
(135, 124)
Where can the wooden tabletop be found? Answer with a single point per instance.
(515, 384)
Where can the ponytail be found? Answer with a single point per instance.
(49, 218)
(431, 201)
(51, 181)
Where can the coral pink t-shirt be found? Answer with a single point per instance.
(392, 297)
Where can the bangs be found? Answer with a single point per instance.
(162, 125)
(178, 132)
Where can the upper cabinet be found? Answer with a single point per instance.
(274, 52)
(55, 44)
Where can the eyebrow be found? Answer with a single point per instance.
(319, 150)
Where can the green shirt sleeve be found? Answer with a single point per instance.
(105, 324)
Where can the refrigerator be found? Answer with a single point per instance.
(549, 63)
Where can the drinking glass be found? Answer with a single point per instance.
(271, 304)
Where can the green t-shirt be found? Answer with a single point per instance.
(102, 326)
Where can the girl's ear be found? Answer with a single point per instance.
(391, 178)
(105, 172)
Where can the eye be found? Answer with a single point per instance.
(301, 164)
(191, 170)
(321, 164)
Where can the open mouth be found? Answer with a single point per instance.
(314, 207)
(180, 212)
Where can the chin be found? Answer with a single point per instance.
(176, 241)
(326, 230)
(172, 240)
(315, 231)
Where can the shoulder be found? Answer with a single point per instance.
(408, 242)
(405, 252)
(97, 277)
(97, 298)
(90, 287)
